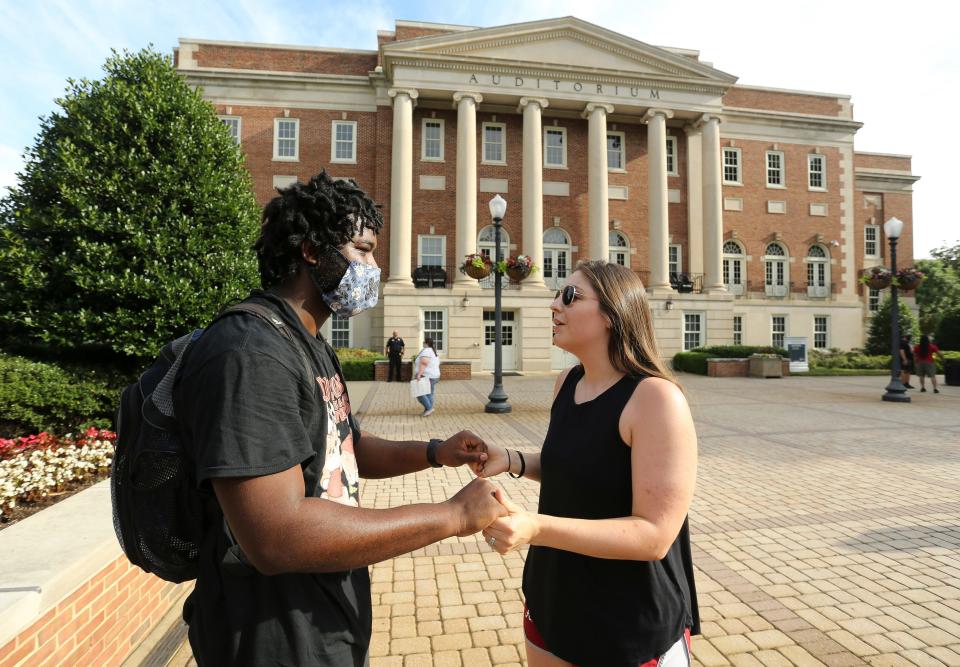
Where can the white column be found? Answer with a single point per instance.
(401, 186)
(597, 180)
(712, 205)
(659, 213)
(694, 198)
(532, 108)
(466, 233)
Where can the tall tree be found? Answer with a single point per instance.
(133, 219)
(938, 293)
(878, 336)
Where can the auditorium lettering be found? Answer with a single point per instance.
(559, 85)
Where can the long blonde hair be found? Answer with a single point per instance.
(632, 346)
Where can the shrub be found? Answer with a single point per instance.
(357, 363)
(878, 338)
(949, 359)
(852, 359)
(948, 331)
(691, 362)
(37, 396)
(740, 351)
(132, 221)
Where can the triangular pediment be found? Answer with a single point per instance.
(563, 44)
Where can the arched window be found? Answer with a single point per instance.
(734, 275)
(818, 272)
(619, 249)
(775, 270)
(486, 245)
(556, 257)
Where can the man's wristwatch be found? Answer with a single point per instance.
(432, 452)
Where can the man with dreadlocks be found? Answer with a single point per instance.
(283, 560)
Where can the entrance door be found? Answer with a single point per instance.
(508, 349)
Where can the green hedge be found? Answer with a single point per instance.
(851, 359)
(41, 396)
(952, 358)
(357, 363)
(691, 362)
(740, 351)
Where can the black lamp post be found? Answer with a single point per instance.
(896, 392)
(498, 397)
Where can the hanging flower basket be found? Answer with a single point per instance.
(519, 267)
(909, 279)
(877, 277)
(476, 266)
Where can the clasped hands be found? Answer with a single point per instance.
(481, 505)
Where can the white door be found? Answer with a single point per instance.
(561, 359)
(507, 346)
(556, 267)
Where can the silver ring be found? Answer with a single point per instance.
(492, 541)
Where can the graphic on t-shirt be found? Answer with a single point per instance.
(340, 479)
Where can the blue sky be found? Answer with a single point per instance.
(899, 61)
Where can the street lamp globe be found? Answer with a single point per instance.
(892, 228)
(498, 207)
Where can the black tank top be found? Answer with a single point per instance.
(597, 611)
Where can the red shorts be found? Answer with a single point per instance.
(533, 636)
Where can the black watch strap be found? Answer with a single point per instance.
(432, 452)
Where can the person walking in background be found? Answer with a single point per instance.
(906, 361)
(608, 579)
(926, 365)
(427, 365)
(395, 349)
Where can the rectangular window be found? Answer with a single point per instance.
(731, 166)
(820, 332)
(233, 127)
(494, 143)
(433, 327)
(340, 331)
(775, 177)
(286, 139)
(817, 172)
(555, 147)
(615, 151)
(344, 146)
(671, 156)
(432, 251)
(674, 257)
(738, 329)
(871, 236)
(432, 144)
(778, 329)
(692, 330)
(873, 300)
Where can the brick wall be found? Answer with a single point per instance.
(99, 624)
(868, 161)
(285, 60)
(449, 370)
(728, 368)
(769, 100)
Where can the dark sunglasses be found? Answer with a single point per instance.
(568, 294)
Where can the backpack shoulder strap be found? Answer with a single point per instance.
(267, 315)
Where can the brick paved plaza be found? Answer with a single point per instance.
(826, 526)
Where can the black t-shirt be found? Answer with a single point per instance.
(395, 345)
(907, 350)
(247, 408)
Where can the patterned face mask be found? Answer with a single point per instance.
(358, 290)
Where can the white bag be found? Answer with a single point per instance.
(419, 387)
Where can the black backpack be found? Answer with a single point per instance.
(157, 508)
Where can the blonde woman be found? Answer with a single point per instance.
(608, 579)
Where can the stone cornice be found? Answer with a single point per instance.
(666, 113)
(271, 75)
(597, 106)
(524, 101)
(789, 119)
(884, 180)
(476, 97)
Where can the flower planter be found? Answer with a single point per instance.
(908, 284)
(516, 273)
(765, 366)
(477, 272)
(879, 283)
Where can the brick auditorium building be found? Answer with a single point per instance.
(745, 210)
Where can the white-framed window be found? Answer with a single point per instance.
(616, 151)
(434, 325)
(871, 240)
(619, 249)
(821, 331)
(286, 139)
(816, 172)
(494, 143)
(733, 273)
(671, 156)
(343, 145)
(490, 327)
(431, 143)
(692, 330)
(738, 329)
(775, 171)
(674, 258)
(778, 329)
(775, 270)
(556, 257)
(341, 331)
(233, 124)
(818, 271)
(431, 250)
(555, 147)
(874, 297)
(731, 167)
